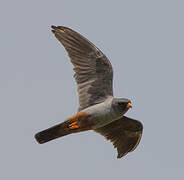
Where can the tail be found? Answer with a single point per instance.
(53, 133)
(77, 123)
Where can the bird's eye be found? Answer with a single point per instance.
(121, 104)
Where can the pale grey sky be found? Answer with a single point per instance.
(144, 41)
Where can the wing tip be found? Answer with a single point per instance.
(60, 28)
(120, 155)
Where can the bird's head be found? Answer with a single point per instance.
(121, 105)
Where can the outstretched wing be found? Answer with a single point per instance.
(125, 134)
(93, 71)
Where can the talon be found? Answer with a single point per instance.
(73, 125)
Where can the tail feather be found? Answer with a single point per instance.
(53, 133)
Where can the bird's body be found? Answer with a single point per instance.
(98, 109)
(102, 113)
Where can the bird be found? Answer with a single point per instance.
(98, 109)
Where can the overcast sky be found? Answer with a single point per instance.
(144, 41)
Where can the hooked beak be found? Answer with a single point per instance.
(129, 105)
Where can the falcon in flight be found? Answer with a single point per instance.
(98, 109)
